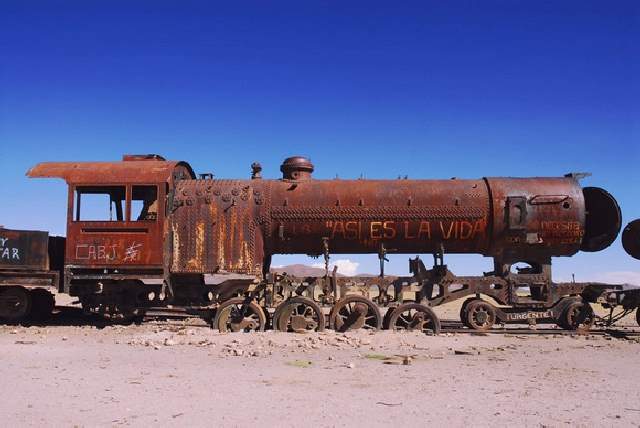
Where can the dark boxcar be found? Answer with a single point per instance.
(27, 283)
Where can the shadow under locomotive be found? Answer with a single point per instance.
(145, 234)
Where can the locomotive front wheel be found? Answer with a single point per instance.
(480, 315)
(414, 317)
(42, 304)
(239, 315)
(578, 316)
(354, 312)
(15, 303)
(298, 314)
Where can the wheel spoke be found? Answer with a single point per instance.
(353, 312)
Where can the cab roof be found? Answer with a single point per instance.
(132, 169)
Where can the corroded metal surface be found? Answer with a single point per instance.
(131, 170)
(187, 228)
(123, 241)
(26, 282)
(23, 249)
(232, 225)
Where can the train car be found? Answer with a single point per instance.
(30, 263)
(145, 233)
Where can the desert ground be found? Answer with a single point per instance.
(182, 373)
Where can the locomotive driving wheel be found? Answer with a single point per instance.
(239, 315)
(480, 315)
(638, 315)
(15, 303)
(414, 317)
(354, 312)
(578, 316)
(299, 314)
(463, 310)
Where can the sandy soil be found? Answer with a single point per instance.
(183, 374)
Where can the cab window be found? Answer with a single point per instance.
(100, 203)
(144, 203)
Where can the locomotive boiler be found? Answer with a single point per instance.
(204, 245)
(236, 225)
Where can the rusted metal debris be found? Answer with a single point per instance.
(161, 231)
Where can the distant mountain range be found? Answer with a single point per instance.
(306, 270)
(300, 270)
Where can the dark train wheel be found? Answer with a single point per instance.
(15, 303)
(354, 312)
(562, 307)
(414, 317)
(239, 315)
(298, 314)
(42, 304)
(638, 315)
(578, 316)
(387, 316)
(463, 310)
(480, 315)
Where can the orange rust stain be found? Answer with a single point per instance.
(222, 238)
(233, 225)
(176, 246)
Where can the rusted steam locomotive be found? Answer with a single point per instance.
(166, 239)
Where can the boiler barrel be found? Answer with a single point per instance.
(235, 225)
(357, 216)
(535, 217)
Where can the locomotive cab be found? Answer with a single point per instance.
(116, 217)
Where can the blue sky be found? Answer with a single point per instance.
(428, 89)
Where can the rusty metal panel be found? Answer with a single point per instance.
(536, 217)
(134, 171)
(119, 243)
(96, 246)
(360, 216)
(24, 249)
(214, 227)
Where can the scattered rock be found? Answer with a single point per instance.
(299, 363)
(466, 352)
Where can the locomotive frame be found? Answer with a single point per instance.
(204, 246)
